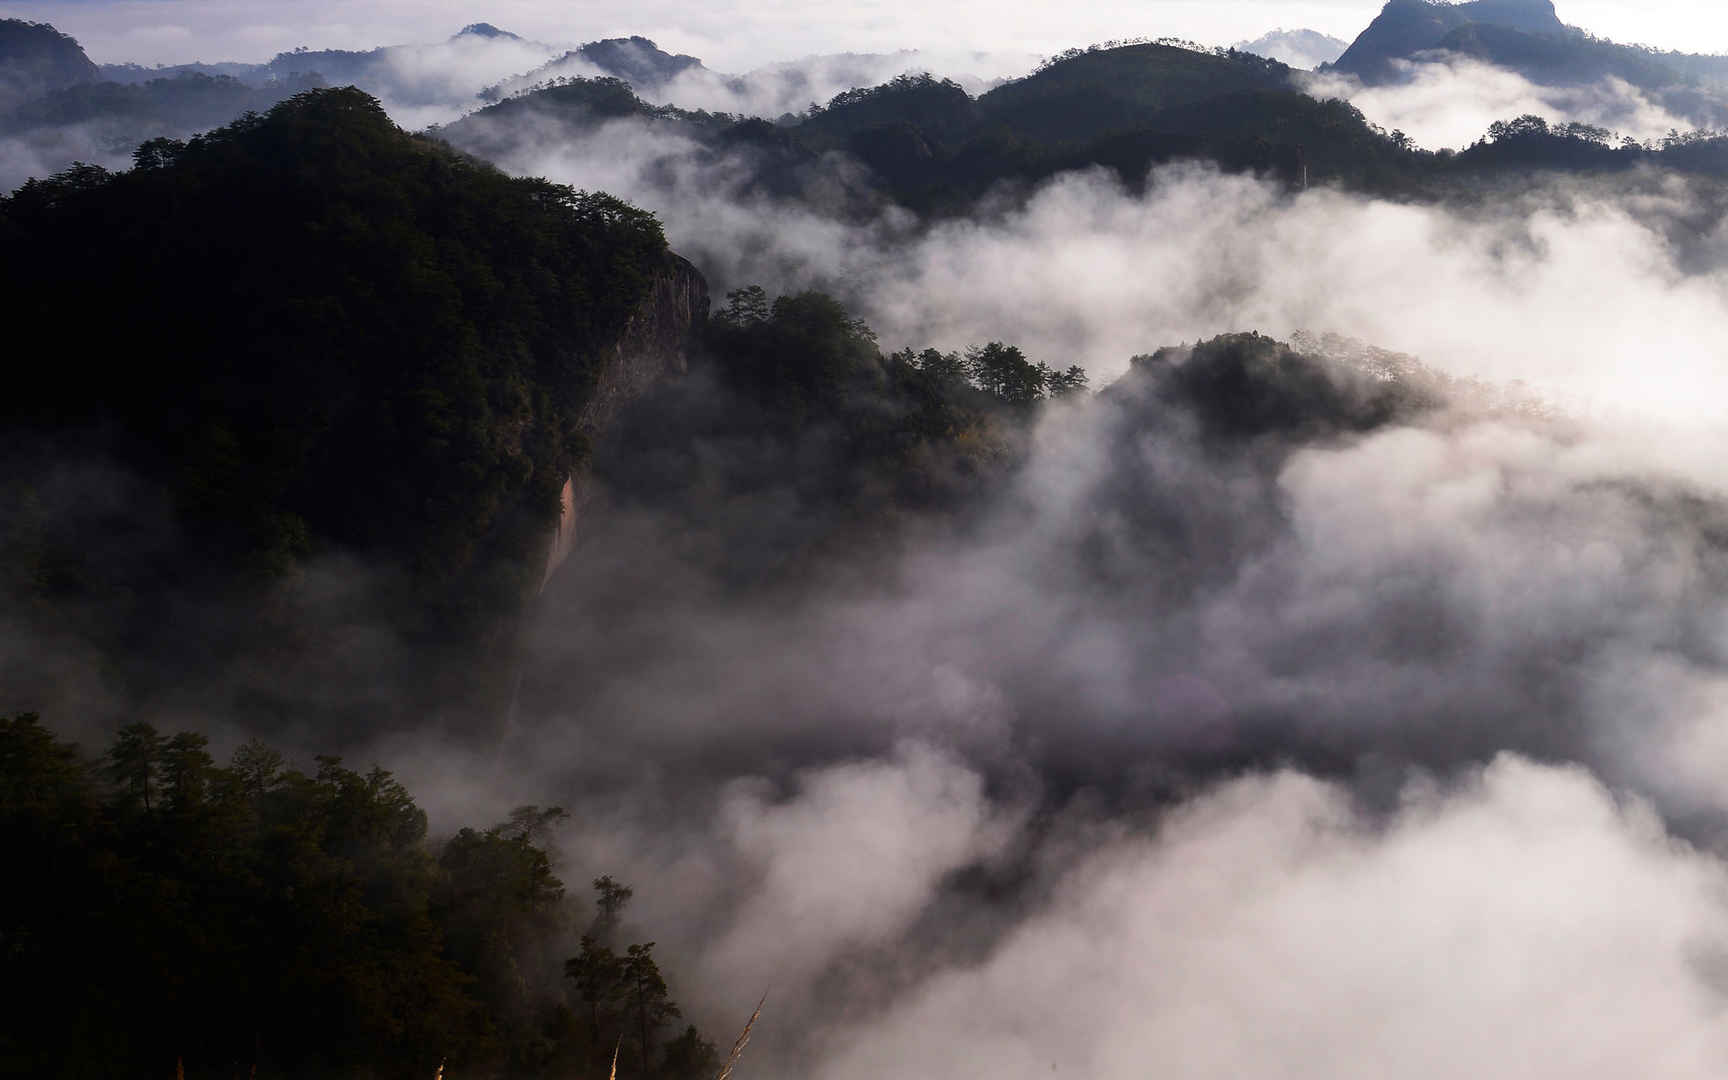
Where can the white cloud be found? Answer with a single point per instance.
(847, 864)
(1449, 102)
(1524, 925)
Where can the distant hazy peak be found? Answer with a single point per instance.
(1298, 48)
(485, 30)
(636, 60)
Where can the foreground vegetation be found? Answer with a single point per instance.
(253, 916)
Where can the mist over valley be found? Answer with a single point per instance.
(531, 558)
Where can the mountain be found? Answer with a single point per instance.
(1098, 91)
(1527, 37)
(104, 122)
(376, 71)
(931, 147)
(57, 108)
(36, 59)
(1304, 49)
(1407, 27)
(485, 30)
(636, 60)
(445, 75)
(429, 346)
(138, 73)
(130, 113)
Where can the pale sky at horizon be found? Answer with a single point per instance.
(738, 34)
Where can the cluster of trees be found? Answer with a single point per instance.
(999, 370)
(1530, 125)
(797, 438)
(801, 349)
(255, 919)
(1531, 142)
(1245, 387)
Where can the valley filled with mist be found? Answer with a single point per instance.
(545, 555)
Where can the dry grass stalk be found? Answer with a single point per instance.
(743, 1041)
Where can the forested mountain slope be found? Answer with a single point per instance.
(37, 59)
(334, 384)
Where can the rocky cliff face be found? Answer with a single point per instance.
(1406, 27)
(655, 344)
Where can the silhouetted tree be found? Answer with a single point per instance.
(646, 997)
(1004, 371)
(135, 764)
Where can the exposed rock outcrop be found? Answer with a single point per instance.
(655, 344)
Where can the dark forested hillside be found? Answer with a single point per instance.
(931, 147)
(1095, 92)
(37, 59)
(302, 337)
(181, 917)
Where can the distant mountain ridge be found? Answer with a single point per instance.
(933, 148)
(636, 60)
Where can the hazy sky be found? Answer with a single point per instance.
(737, 34)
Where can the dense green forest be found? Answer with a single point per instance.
(318, 335)
(254, 919)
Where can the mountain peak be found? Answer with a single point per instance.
(637, 60)
(1406, 27)
(485, 30)
(1297, 48)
